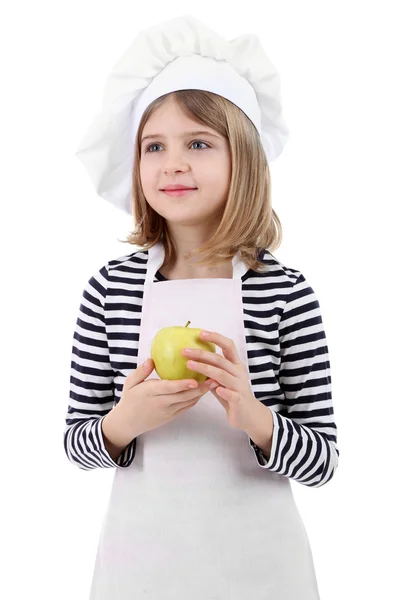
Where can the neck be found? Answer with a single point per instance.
(182, 270)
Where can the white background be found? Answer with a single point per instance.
(336, 190)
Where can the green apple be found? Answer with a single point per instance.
(166, 352)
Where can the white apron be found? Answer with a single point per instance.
(194, 516)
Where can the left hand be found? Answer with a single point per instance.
(234, 393)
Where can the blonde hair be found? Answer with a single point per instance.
(248, 222)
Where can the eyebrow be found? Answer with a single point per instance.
(184, 134)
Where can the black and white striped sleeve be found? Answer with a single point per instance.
(91, 394)
(304, 442)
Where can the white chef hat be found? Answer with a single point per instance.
(178, 54)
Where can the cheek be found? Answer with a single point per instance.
(218, 173)
(217, 183)
(146, 177)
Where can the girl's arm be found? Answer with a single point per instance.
(304, 441)
(92, 386)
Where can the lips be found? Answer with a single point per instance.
(177, 193)
(171, 188)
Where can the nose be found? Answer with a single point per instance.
(174, 161)
(173, 166)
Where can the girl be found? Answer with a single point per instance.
(201, 505)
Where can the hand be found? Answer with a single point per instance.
(234, 392)
(147, 404)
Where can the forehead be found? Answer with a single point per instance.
(169, 116)
(169, 120)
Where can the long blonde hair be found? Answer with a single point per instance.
(248, 222)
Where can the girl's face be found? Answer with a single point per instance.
(174, 156)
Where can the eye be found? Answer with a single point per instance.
(199, 142)
(194, 141)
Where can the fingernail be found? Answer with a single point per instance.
(213, 385)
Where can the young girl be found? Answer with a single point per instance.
(201, 505)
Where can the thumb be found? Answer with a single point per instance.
(139, 374)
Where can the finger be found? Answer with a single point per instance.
(191, 394)
(212, 358)
(222, 377)
(174, 386)
(139, 374)
(209, 384)
(226, 344)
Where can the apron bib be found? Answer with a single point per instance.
(194, 515)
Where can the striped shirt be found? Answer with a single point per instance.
(287, 355)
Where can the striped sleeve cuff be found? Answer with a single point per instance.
(298, 452)
(84, 446)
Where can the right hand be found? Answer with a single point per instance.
(148, 404)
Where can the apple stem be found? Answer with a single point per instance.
(188, 323)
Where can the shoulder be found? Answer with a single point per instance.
(132, 260)
(278, 273)
(297, 295)
(119, 270)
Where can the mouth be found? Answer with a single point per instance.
(181, 192)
